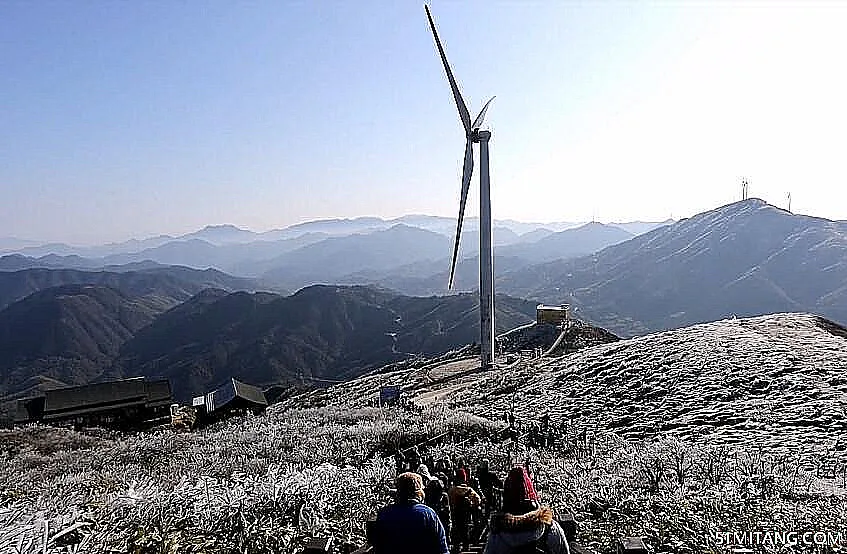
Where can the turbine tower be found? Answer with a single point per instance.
(486, 266)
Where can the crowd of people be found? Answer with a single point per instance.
(441, 508)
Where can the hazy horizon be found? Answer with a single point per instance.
(134, 120)
(244, 228)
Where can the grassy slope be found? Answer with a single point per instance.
(773, 380)
(265, 484)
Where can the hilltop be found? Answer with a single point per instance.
(743, 259)
(66, 334)
(165, 286)
(774, 380)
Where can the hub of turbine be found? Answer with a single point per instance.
(479, 136)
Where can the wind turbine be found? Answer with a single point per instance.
(473, 134)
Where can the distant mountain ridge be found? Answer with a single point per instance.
(231, 235)
(431, 276)
(323, 332)
(569, 243)
(327, 260)
(168, 285)
(747, 258)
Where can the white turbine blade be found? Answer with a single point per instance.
(480, 119)
(457, 96)
(467, 172)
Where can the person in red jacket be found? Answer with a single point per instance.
(523, 525)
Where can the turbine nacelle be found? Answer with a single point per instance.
(479, 136)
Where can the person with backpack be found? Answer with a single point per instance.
(408, 525)
(523, 526)
(435, 496)
(463, 502)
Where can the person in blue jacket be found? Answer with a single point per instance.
(408, 526)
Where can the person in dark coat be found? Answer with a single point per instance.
(522, 523)
(488, 483)
(464, 501)
(435, 496)
(409, 526)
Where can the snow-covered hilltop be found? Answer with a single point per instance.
(777, 380)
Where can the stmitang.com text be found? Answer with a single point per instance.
(776, 538)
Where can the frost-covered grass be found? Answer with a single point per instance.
(267, 483)
(727, 427)
(676, 494)
(777, 381)
(257, 484)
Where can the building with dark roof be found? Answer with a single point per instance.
(230, 397)
(125, 401)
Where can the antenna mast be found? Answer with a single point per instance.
(744, 186)
(789, 203)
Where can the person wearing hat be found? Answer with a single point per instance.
(463, 502)
(523, 525)
(408, 526)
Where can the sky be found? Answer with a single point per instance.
(132, 119)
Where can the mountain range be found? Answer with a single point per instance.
(74, 334)
(322, 332)
(199, 326)
(317, 251)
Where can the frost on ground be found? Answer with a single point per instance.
(778, 381)
(729, 426)
(257, 484)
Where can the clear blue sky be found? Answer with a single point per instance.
(125, 119)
